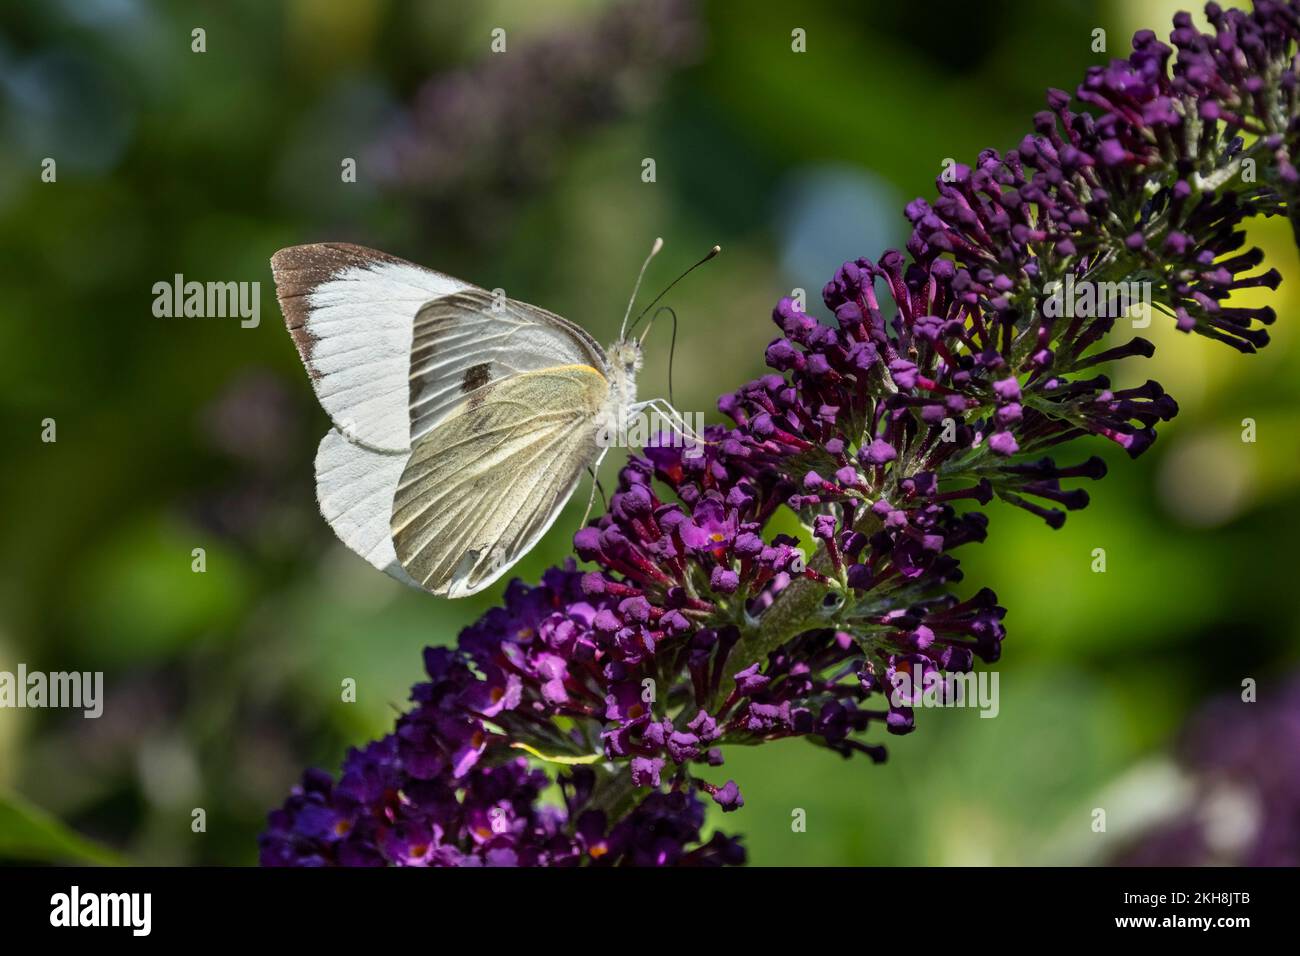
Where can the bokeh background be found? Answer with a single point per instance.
(522, 170)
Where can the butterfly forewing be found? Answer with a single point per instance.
(471, 339)
(488, 480)
(350, 312)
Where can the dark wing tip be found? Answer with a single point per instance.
(299, 270)
(324, 259)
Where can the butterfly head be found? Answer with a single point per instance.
(625, 356)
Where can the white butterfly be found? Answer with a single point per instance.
(463, 421)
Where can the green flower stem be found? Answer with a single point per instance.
(796, 610)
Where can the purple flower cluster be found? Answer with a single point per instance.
(377, 815)
(948, 374)
(447, 788)
(1152, 184)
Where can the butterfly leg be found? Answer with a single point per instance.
(675, 419)
(595, 484)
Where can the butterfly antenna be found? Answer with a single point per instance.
(672, 345)
(654, 251)
(655, 301)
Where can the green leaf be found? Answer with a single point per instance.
(29, 833)
(560, 758)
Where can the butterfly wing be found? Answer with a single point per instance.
(468, 340)
(354, 486)
(351, 312)
(487, 481)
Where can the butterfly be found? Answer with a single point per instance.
(462, 420)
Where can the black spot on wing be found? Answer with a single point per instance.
(476, 376)
(475, 382)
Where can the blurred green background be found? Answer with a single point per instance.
(526, 174)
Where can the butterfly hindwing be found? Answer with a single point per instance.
(489, 479)
(354, 486)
